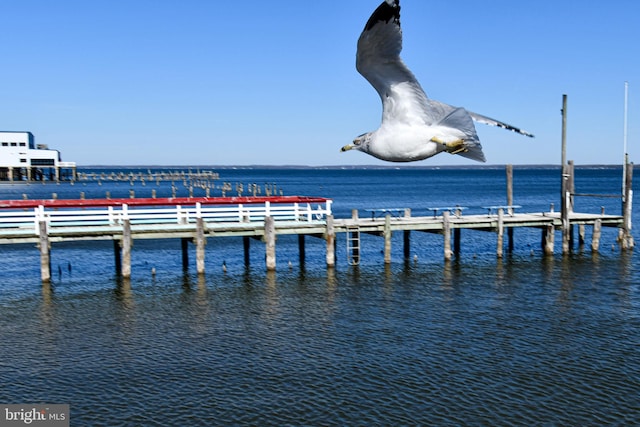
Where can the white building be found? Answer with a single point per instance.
(21, 158)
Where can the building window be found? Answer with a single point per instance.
(23, 160)
(42, 162)
(14, 144)
(5, 144)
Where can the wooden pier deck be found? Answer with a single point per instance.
(45, 222)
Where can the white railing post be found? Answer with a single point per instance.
(110, 215)
(240, 215)
(38, 216)
(309, 212)
(178, 214)
(198, 210)
(328, 212)
(125, 211)
(267, 208)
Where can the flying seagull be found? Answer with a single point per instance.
(413, 126)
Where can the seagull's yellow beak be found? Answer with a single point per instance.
(347, 147)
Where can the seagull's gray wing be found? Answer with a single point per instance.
(378, 60)
(493, 122)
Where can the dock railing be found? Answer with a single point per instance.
(28, 220)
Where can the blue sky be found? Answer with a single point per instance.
(202, 82)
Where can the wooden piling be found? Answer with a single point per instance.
(301, 249)
(270, 242)
(246, 246)
(201, 242)
(184, 244)
(406, 237)
(500, 243)
(117, 255)
(406, 244)
(45, 254)
(446, 231)
(387, 239)
(126, 244)
(330, 237)
(595, 239)
(548, 237)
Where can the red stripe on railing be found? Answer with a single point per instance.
(87, 203)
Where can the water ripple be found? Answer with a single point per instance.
(418, 347)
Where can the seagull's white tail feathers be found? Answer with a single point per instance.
(460, 119)
(474, 151)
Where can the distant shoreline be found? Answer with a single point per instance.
(346, 167)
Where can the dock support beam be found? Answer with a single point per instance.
(548, 239)
(45, 254)
(330, 237)
(270, 241)
(184, 243)
(446, 231)
(407, 237)
(500, 245)
(201, 242)
(246, 247)
(302, 252)
(407, 244)
(117, 255)
(126, 244)
(595, 239)
(387, 239)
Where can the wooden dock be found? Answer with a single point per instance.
(46, 222)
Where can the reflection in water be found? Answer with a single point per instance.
(462, 342)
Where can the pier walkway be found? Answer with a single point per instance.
(44, 222)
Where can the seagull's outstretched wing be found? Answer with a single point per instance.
(378, 60)
(493, 122)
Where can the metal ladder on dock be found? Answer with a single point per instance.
(353, 244)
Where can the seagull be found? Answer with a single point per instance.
(414, 127)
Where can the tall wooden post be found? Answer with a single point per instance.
(270, 241)
(564, 186)
(510, 203)
(330, 237)
(627, 205)
(567, 171)
(45, 254)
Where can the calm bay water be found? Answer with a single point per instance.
(527, 340)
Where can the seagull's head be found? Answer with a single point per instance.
(360, 143)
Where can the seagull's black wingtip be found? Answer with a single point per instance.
(385, 13)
